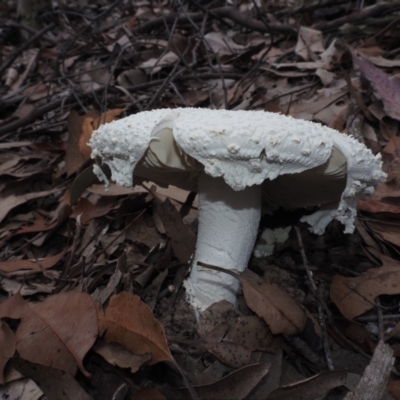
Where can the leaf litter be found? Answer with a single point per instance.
(75, 259)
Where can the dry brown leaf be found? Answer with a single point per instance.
(80, 129)
(387, 231)
(387, 88)
(39, 264)
(271, 303)
(232, 354)
(59, 331)
(309, 41)
(55, 384)
(310, 388)
(356, 295)
(7, 347)
(90, 124)
(183, 240)
(12, 201)
(148, 393)
(375, 206)
(115, 354)
(252, 333)
(13, 307)
(130, 322)
(88, 211)
(236, 385)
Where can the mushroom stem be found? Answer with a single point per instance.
(228, 224)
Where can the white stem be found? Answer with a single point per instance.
(228, 224)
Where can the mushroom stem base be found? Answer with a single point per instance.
(228, 225)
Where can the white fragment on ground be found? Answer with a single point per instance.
(269, 238)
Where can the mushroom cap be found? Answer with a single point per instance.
(245, 148)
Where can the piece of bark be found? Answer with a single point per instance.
(376, 375)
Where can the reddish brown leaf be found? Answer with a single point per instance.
(375, 206)
(130, 322)
(80, 128)
(356, 295)
(59, 331)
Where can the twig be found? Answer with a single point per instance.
(323, 310)
(223, 12)
(172, 75)
(75, 243)
(359, 16)
(22, 48)
(381, 325)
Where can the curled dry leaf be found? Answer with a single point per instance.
(7, 347)
(236, 385)
(59, 331)
(354, 296)
(130, 322)
(115, 354)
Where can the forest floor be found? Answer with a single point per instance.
(92, 302)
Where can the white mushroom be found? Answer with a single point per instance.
(236, 160)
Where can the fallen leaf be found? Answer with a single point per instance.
(59, 331)
(280, 311)
(310, 388)
(13, 307)
(356, 295)
(33, 265)
(80, 129)
(183, 240)
(236, 385)
(130, 322)
(387, 231)
(387, 88)
(148, 393)
(21, 389)
(115, 354)
(309, 41)
(252, 333)
(7, 347)
(12, 201)
(232, 354)
(55, 384)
